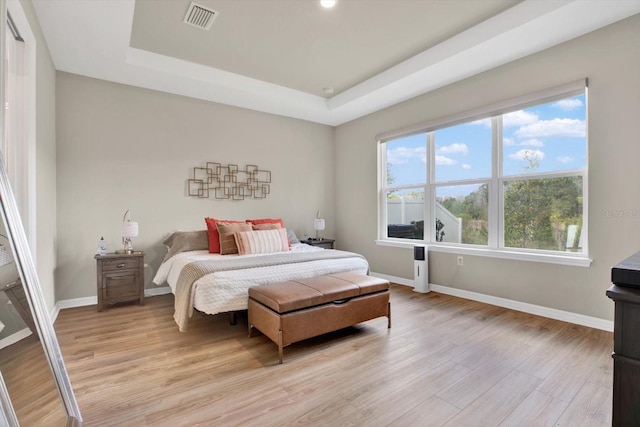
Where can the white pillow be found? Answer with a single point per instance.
(262, 241)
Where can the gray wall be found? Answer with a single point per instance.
(610, 58)
(121, 147)
(45, 160)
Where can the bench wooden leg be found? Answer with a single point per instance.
(280, 351)
(232, 318)
(389, 315)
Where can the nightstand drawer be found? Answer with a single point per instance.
(117, 286)
(119, 264)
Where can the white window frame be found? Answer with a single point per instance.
(495, 247)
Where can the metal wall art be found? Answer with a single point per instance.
(229, 182)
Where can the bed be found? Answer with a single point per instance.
(214, 283)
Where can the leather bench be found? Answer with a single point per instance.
(295, 310)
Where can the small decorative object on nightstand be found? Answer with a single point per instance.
(120, 278)
(323, 243)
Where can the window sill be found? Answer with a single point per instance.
(549, 258)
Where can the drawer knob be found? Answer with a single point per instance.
(120, 265)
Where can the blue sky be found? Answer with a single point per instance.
(550, 135)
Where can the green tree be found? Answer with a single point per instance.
(473, 211)
(538, 211)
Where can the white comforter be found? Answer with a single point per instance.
(227, 290)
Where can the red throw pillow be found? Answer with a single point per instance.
(268, 221)
(214, 236)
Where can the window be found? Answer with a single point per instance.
(508, 177)
(406, 168)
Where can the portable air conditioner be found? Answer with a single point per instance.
(420, 269)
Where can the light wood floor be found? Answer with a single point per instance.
(28, 379)
(445, 361)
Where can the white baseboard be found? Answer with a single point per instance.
(53, 314)
(14, 338)
(76, 302)
(394, 279)
(552, 313)
(82, 302)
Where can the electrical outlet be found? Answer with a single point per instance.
(460, 260)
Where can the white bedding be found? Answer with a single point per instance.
(227, 290)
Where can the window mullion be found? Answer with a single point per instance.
(429, 189)
(496, 210)
(382, 197)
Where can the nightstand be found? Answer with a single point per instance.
(120, 278)
(323, 243)
(18, 297)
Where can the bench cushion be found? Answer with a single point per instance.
(303, 293)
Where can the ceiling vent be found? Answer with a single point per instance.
(200, 16)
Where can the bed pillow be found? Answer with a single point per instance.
(291, 235)
(262, 241)
(267, 221)
(182, 241)
(266, 226)
(261, 221)
(214, 236)
(227, 240)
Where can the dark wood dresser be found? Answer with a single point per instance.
(120, 278)
(17, 296)
(625, 292)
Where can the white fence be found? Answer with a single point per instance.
(405, 211)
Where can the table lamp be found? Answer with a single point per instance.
(129, 230)
(318, 225)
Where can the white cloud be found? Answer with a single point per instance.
(568, 104)
(486, 122)
(402, 155)
(445, 161)
(553, 127)
(527, 155)
(565, 159)
(508, 141)
(466, 166)
(519, 118)
(456, 148)
(532, 143)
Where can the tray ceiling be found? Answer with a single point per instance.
(278, 56)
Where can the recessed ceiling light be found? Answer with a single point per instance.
(328, 3)
(328, 90)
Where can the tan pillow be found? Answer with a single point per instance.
(266, 226)
(227, 240)
(181, 241)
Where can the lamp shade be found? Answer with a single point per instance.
(129, 229)
(318, 224)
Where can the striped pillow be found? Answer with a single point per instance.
(262, 241)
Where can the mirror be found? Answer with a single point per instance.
(34, 386)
